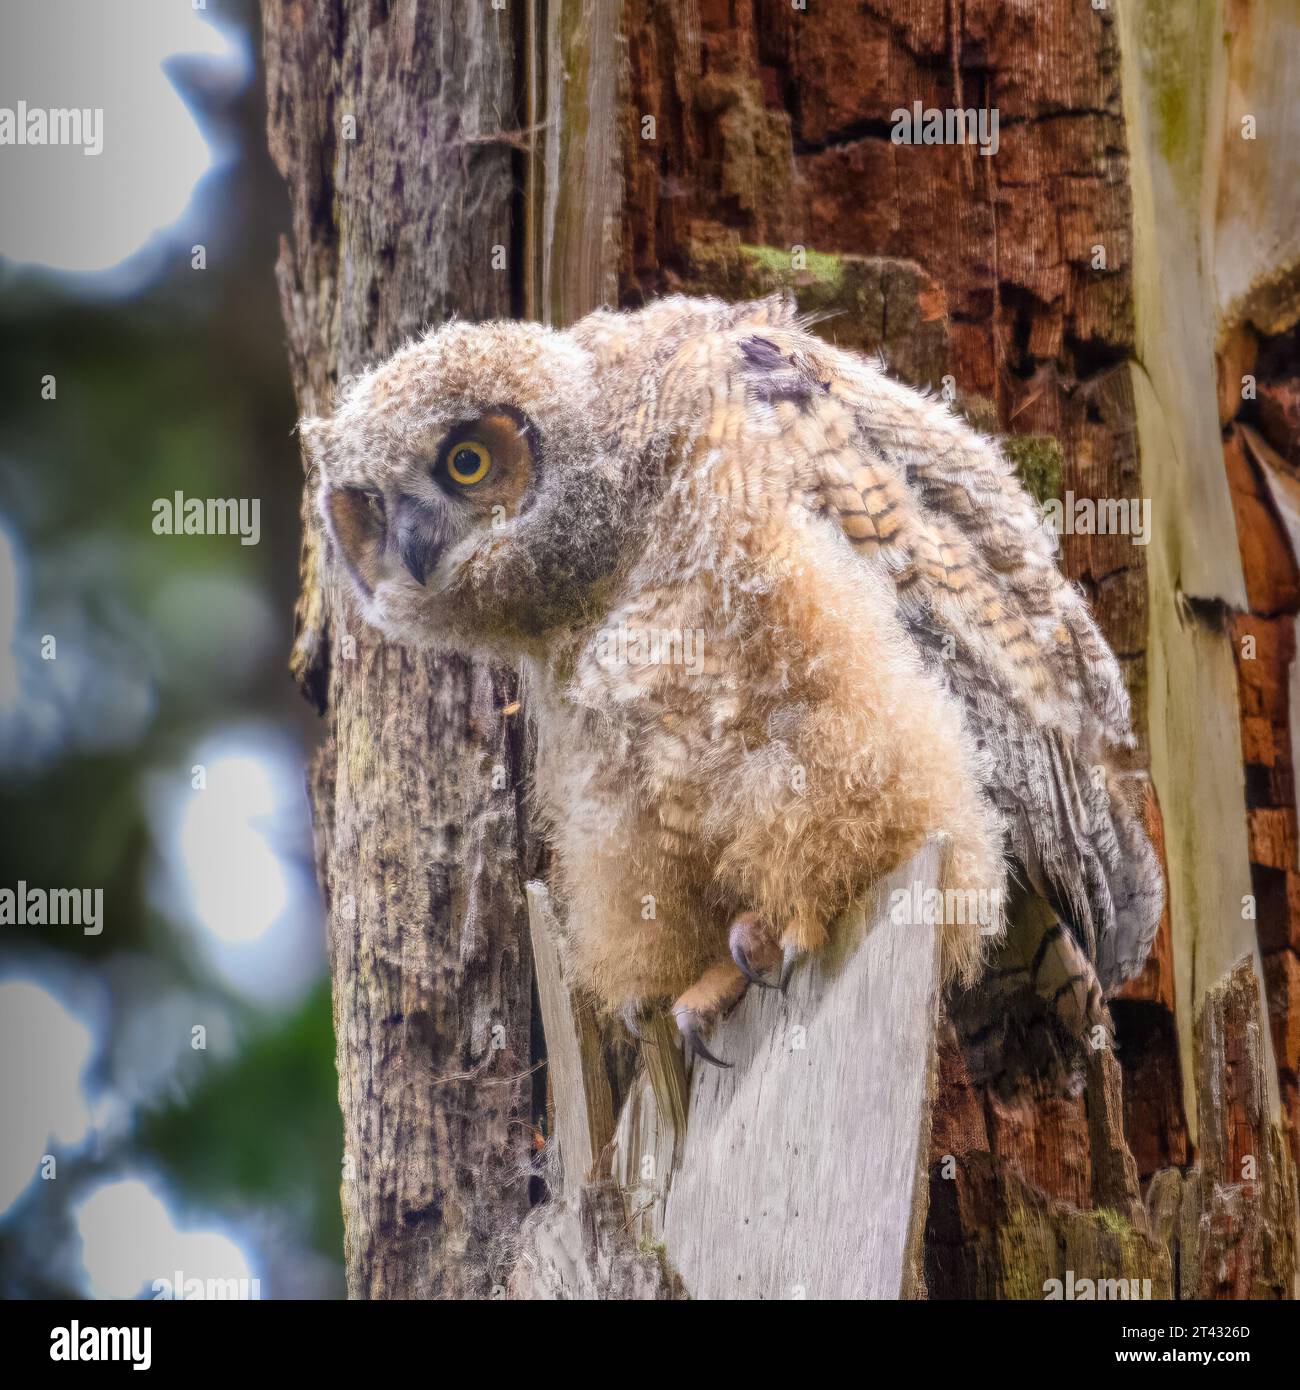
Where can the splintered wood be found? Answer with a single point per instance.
(798, 1172)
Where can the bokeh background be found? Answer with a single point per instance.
(134, 1146)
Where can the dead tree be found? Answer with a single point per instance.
(1067, 291)
(387, 123)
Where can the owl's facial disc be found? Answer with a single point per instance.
(408, 541)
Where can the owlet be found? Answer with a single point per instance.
(782, 621)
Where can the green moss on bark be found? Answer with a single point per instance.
(1039, 463)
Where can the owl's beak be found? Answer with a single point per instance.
(421, 537)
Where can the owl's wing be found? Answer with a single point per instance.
(920, 494)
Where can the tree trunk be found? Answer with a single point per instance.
(387, 123)
(1070, 292)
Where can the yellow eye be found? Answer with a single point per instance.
(468, 463)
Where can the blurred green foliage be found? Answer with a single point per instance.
(230, 1135)
(182, 386)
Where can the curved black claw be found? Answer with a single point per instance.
(789, 959)
(688, 1025)
(747, 970)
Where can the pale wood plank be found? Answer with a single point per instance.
(583, 1105)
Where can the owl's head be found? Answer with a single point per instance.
(465, 490)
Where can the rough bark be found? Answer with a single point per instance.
(1211, 290)
(387, 122)
(1229, 1223)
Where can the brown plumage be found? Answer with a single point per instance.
(783, 620)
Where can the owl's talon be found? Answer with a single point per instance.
(752, 948)
(689, 1025)
(711, 997)
(747, 970)
(631, 1016)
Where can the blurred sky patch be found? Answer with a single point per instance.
(108, 218)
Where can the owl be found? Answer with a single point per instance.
(781, 622)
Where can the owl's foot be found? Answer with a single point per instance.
(753, 949)
(710, 998)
